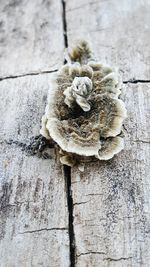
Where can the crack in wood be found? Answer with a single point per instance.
(80, 203)
(136, 81)
(67, 175)
(67, 169)
(91, 252)
(119, 259)
(43, 229)
(64, 24)
(103, 253)
(27, 74)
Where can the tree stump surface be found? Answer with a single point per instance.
(52, 216)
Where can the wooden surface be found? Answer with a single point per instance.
(111, 199)
(109, 213)
(118, 31)
(34, 216)
(31, 36)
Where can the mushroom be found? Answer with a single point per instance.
(79, 91)
(83, 114)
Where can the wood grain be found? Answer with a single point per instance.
(33, 205)
(111, 203)
(110, 216)
(111, 199)
(31, 36)
(117, 30)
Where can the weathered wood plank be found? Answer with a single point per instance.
(33, 208)
(31, 36)
(111, 199)
(111, 203)
(23, 102)
(118, 31)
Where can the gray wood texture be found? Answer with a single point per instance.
(111, 199)
(33, 205)
(111, 203)
(117, 30)
(31, 36)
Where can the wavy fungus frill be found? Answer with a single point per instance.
(83, 114)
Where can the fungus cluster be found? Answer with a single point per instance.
(83, 114)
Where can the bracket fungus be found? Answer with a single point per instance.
(84, 115)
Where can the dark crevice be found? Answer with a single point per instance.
(64, 26)
(67, 169)
(27, 74)
(103, 253)
(91, 252)
(80, 203)
(119, 259)
(136, 81)
(67, 175)
(64, 23)
(43, 229)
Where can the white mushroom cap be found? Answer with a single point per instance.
(73, 144)
(110, 147)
